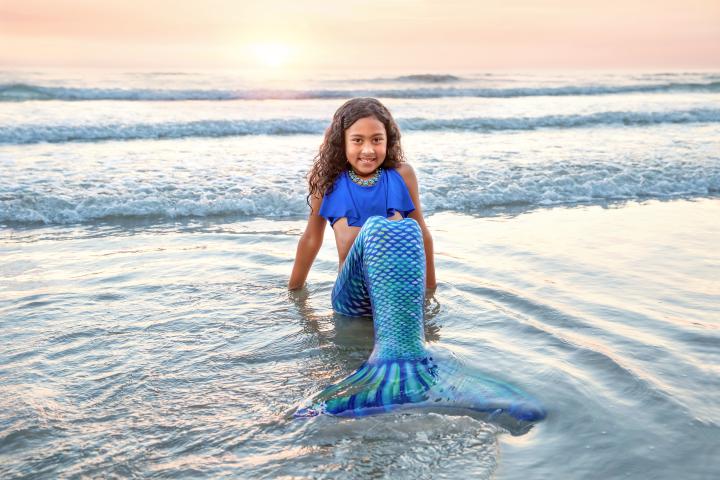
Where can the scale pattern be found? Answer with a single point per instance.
(384, 276)
(386, 264)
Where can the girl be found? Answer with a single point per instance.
(361, 184)
(359, 172)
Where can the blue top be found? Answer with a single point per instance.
(358, 203)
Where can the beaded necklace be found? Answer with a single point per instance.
(365, 183)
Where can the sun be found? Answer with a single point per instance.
(271, 54)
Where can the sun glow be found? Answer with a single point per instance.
(271, 54)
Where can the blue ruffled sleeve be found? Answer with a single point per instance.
(398, 195)
(337, 204)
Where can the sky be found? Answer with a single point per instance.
(355, 35)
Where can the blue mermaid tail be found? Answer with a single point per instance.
(384, 276)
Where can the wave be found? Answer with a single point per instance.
(427, 78)
(573, 183)
(31, 134)
(444, 189)
(563, 121)
(17, 92)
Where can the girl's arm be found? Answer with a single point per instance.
(408, 174)
(308, 246)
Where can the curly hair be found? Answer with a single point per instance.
(331, 161)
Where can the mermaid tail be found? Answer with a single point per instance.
(384, 276)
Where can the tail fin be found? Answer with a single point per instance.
(375, 388)
(386, 385)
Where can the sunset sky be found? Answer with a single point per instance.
(360, 34)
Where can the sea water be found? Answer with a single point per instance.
(148, 222)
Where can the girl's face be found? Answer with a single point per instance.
(366, 145)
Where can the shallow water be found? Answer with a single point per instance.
(174, 349)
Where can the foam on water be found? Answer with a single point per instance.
(159, 196)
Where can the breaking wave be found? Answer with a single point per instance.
(443, 190)
(30, 134)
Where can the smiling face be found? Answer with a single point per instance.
(366, 145)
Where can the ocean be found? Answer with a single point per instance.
(148, 225)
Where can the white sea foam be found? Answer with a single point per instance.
(496, 185)
(32, 133)
(569, 183)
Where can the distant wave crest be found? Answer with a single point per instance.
(428, 78)
(16, 92)
(29, 134)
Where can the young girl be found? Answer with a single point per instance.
(359, 172)
(361, 184)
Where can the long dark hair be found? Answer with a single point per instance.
(331, 161)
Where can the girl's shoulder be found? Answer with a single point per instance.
(406, 172)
